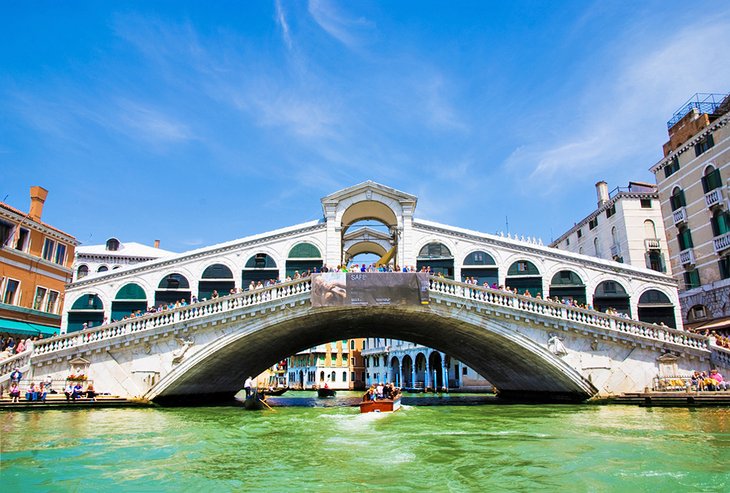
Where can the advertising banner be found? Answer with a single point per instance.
(369, 288)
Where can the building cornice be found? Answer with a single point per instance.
(547, 252)
(720, 122)
(24, 220)
(207, 252)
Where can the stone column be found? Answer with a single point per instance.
(426, 377)
(446, 373)
(413, 374)
(400, 374)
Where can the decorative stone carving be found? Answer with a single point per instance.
(179, 354)
(555, 345)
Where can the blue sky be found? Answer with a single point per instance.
(198, 123)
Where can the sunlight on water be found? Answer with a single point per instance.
(322, 449)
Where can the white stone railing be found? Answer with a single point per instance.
(20, 360)
(569, 313)
(687, 257)
(720, 355)
(680, 216)
(185, 313)
(144, 325)
(713, 197)
(721, 242)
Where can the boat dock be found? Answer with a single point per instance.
(672, 399)
(58, 401)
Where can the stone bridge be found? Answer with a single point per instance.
(528, 348)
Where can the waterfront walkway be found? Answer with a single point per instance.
(58, 401)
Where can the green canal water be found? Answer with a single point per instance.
(335, 449)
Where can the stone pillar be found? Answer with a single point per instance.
(400, 374)
(445, 367)
(426, 377)
(333, 253)
(413, 374)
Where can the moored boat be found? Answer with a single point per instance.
(380, 405)
(275, 392)
(325, 392)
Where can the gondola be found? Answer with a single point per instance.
(275, 392)
(255, 402)
(323, 392)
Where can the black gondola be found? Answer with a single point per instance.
(275, 392)
(254, 402)
(323, 392)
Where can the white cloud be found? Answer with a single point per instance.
(281, 19)
(350, 32)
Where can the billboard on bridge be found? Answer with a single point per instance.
(369, 289)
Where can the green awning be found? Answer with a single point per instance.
(26, 328)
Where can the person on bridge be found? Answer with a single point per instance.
(16, 376)
(247, 386)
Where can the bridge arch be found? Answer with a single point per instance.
(514, 363)
(480, 265)
(611, 293)
(86, 309)
(524, 275)
(217, 277)
(303, 256)
(174, 285)
(655, 306)
(368, 209)
(260, 266)
(567, 284)
(436, 253)
(128, 299)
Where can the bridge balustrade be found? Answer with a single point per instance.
(437, 285)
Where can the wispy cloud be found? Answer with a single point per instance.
(281, 20)
(348, 31)
(149, 124)
(620, 111)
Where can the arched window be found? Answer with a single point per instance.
(434, 251)
(82, 271)
(112, 244)
(656, 308)
(677, 199)
(596, 247)
(86, 312)
(711, 179)
(217, 271)
(611, 295)
(524, 276)
(437, 258)
(102, 268)
(614, 236)
(649, 230)
(130, 298)
(302, 258)
(720, 222)
(567, 285)
(481, 266)
(172, 288)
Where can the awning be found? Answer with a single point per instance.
(715, 324)
(26, 328)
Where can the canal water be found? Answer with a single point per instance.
(308, 446)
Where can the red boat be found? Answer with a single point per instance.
(380, 405)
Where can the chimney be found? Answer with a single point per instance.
(602, 193)
(37, 199)
(157, 243)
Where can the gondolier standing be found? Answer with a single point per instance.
(247, 386)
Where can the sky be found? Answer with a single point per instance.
(197, 123)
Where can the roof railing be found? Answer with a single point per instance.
(702, 101)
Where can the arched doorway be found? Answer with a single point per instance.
(407, 371)
(611, 294)
(482, 267)
(130, 298)
(419, 372)
(438, 258)
(567, 285)
(87, 309)
(435, 365)
(302, 258)
(259, 267)
(656, 308)
(172, 287)
(524, 276)
(216, 277)
(394, 374)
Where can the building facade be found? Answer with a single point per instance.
(693, 179)
(416, 367)
(627, 227)
(113, 255)
(336, 364)
(35, 266)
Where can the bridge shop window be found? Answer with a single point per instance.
(216, 277)
(611, 295)
(524, 276)
(130, 298)
(172, 287)
(438, 257)
(480, 266)
(303, 257)
(259, 267)
(87, 309)
(656, 308)
(567, 285)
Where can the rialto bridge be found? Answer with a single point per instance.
(527, 347)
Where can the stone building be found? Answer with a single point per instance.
(693, 179)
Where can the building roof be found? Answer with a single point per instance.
(25, 217)
(126, 249)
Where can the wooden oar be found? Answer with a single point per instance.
(264, 403)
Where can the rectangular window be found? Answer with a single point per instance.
(672, 167)
(352, 376)
(704, 145)
(11, 291)
(49, 247)
(646, 203)
(464, 371)
(725, 267)
(580, 233)
(52, 302)
(23, 239)
(6, 233)
(593, 223)
(685, 239)
(691, 279)
(40, 297)
(567, 242)
(60, 254)
(611, 211)
(521, 266)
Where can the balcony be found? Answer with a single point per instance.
(714, 197)
(721, 243)
(680, 216)
(615, 251)
(687, 257)
(652, 244)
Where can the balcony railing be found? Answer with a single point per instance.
(680, 216)
(687, 257)
(615, 250)
(721, 243)
(714, 197)
(652, 244)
